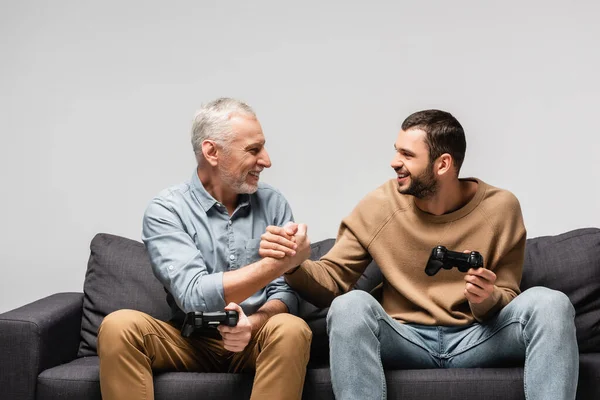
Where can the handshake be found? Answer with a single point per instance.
(289, 245)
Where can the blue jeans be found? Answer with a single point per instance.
(536, 328)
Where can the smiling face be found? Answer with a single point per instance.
(412, 165)
(245, 157)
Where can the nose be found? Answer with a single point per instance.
(264, 160)
(396, 162)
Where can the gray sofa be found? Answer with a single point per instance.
(47, 348)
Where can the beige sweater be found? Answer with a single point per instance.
(387, 226)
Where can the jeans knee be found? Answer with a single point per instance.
(551, 301)
(350, 304)
(351, 312)
(550, 308)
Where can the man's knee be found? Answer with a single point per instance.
(542, 298)
(289, 329)
(353, 303)
(550, 307)
(118, 328)
(352, 312)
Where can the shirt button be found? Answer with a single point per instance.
(229, 222)
(231, 257)
(170, 267)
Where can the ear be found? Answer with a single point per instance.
(210, 152)
(444, 164)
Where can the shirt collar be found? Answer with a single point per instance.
(206, 200)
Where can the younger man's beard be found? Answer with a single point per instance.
(422, 186)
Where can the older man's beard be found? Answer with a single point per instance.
(237, 183)
(422, 186)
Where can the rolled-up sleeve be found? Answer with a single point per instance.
(280, 290)
(177, 263)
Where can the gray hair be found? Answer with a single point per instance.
(211, 122)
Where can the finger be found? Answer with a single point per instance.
(472, 297)
(235, 307)
(475, 290)
(466, 251)
(234, 349)
(302, 230)
(477, 281)
(231, 346)
(233, 338)
(236, 341)
(264, 253)
(279, 231)
(226, 330)
(270, 241)
(273, 238)
(239, 329)
(291, 228)
(269, 246)
(483, 273)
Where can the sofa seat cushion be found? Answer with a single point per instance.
(570, 262)
(457, 383)
(79, 379)
(589, 376)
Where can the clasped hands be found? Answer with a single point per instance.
(288, 245)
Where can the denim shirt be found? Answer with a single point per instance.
(192, 241)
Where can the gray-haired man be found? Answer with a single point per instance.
(203, 238)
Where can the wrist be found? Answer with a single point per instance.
(256, 320)
(281, 266)
(291, 271)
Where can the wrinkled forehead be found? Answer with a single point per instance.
(246, 129)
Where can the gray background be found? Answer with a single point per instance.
(97, 98)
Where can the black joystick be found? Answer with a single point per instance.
(441, 257)
(200, 320)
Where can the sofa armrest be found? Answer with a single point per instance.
(35, 337)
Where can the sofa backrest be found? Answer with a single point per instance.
(119, 275)
(570, 262)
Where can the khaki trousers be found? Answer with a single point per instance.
(132, 344)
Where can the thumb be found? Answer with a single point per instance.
(302, 228)
(234, 307)
(291, 228)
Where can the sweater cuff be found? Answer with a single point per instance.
(305, 285)
(488, 307)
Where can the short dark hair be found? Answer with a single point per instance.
(444, 134)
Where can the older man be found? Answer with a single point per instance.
(203, 238)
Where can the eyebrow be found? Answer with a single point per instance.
(410, 153)
(255, 144)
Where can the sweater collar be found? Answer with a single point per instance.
(457, 214)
